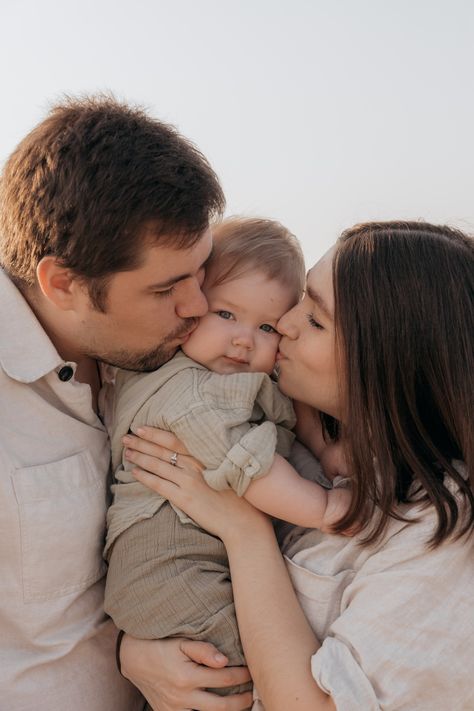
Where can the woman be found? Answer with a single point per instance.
(382, 344)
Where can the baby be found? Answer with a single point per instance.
(167, 577)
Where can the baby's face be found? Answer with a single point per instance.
(238, 334)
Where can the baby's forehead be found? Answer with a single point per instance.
(254, 293)
(215, 278)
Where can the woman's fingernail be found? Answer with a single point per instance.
(220, 657)
(126, 439)
(140, 431)
(127, 453)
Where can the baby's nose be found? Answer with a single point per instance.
(243, 338)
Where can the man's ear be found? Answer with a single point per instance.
(57, 283)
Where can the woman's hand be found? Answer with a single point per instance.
(222, 513)
(173, 674)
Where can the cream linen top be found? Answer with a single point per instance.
(395, 620)
(56, 644)
(233, 424)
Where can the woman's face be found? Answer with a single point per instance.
(306, 361)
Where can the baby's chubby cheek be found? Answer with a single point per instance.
(197, 347)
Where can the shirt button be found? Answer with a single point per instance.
(65, 373)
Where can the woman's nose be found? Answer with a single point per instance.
(287, 326)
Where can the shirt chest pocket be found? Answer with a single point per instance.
(319, 595)
(62, 519)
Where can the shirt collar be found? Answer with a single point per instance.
(26, 352)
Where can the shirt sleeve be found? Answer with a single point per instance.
(234, 424)
(339, 675)
(405, 629)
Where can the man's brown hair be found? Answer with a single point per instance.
(404, 317)
(93, 180)
(246, 244)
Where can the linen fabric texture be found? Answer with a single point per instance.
(394, 619)
(56, 643)
(233, 424)
(167, 577)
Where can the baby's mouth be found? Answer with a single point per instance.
(241, 361)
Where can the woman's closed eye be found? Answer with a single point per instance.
(312, 322)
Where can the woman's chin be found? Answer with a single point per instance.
(283, 384)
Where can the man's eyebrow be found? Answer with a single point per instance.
(180, 277)
(319, 301)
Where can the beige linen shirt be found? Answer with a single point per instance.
(56, 644)
(395, 620)
(233, 424)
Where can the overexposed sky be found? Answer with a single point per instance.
(320, 113)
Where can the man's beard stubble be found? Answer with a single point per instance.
(150, 360)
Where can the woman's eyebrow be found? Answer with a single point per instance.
(318, 300)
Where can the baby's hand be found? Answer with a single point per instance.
(338, 502)
(333, 461)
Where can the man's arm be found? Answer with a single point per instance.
(173, 673)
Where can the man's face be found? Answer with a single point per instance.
(150, 310)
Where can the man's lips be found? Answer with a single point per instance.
(184, 336)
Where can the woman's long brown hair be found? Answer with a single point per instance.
(404, 313)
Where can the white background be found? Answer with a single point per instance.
(320, 113)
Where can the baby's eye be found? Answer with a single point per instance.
(267, 328)
(224, 314)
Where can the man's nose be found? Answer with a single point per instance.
(192, 303)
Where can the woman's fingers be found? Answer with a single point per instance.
(155, 465)
(150, 448)
(165, 487)
(164, 439)
(160, 452)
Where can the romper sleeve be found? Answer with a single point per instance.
(234, 424)
(405, 629)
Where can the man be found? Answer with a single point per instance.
(104, 237)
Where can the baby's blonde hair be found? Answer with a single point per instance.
(248, 244)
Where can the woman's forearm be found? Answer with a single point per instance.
(277, 639)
